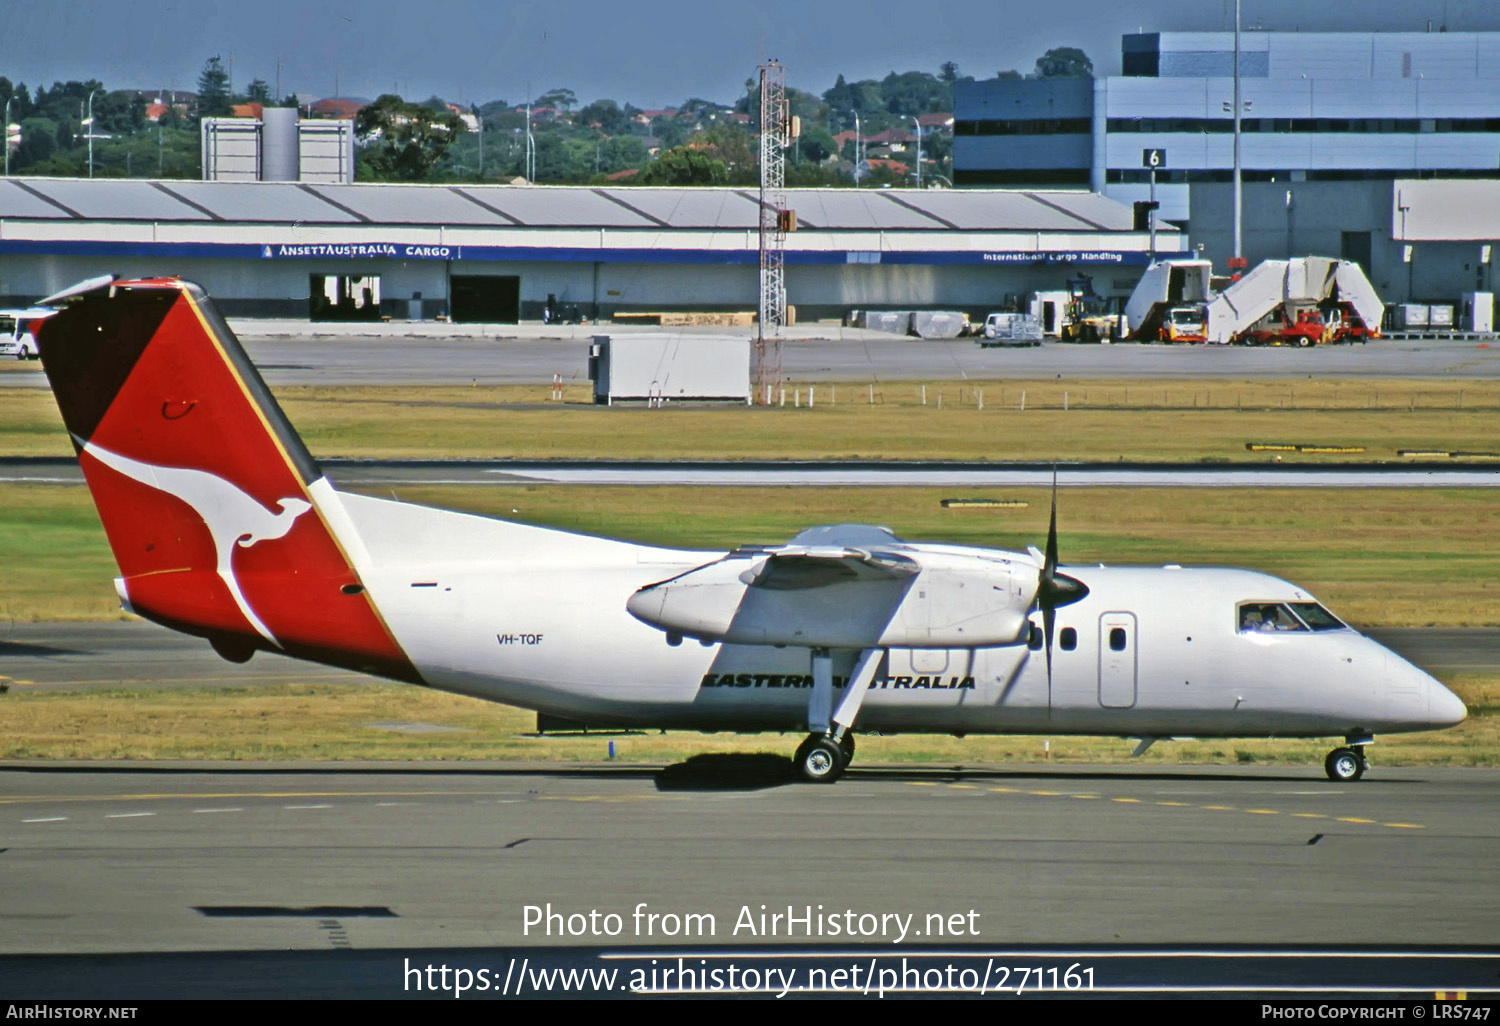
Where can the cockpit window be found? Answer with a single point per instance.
(1268, 618)
(1316, 617)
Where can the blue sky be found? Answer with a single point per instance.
(649, 52)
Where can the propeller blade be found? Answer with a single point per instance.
(1054, 590)
(1050, 567)
(1049, 620)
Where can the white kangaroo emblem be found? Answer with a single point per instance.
(234, 517)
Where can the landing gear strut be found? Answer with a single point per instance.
(1346, 764)
(828, 750)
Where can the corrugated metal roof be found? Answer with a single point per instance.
(255, 202)
(99, 200)
(18, 201)
(504, 206)
(728, 209)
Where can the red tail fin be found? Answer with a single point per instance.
(217, 514)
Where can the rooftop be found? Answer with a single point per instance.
(75, 200)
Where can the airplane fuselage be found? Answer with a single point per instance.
(1150, 652)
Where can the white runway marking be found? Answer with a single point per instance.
(45, 819)
(127, 815)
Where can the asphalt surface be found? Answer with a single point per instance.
(78, 656)
(290, 354)
(405, 861)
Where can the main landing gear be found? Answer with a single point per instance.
(828, 750)
(1348, 763)
(822, 760)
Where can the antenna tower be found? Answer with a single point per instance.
(776, 133)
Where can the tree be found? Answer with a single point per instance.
(404, 140)
(38, 141)
(1008, 75)
(258, 92)
(816, 144)
(685, 165)
(840, 97)
(733, 146)
(213, 90)
(606, 114)
(1064, 62)
(913, 92)
(562, 99)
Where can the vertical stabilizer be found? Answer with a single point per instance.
(221, 522)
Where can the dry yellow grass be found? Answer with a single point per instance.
(1380, 557)
(1190, 420)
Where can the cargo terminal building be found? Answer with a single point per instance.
(498, 253)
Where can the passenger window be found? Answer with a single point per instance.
(1068, 639)
(1117, 639)
(1034, 639)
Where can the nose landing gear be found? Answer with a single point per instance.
(1347, 763)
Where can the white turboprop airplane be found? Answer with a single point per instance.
(224, 527)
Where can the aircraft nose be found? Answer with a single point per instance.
(1444, 708)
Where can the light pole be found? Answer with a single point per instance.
(1239, 253)
(7, 136)
(856, 147)
(918, 125)
(89, 122)
(530, 148)
(479, 116)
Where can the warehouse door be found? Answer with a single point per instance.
(1355, 247)
(343, 297)
(485, 298)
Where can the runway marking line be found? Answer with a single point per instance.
(209, 812)
(1187, 805)
(45, 819)
(200, 796)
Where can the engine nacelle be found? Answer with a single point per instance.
(847, 598)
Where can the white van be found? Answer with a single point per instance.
(18, 332)
(1011, 329)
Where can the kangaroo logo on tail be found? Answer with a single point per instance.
(234, 518)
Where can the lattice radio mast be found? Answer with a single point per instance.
(777, 129)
